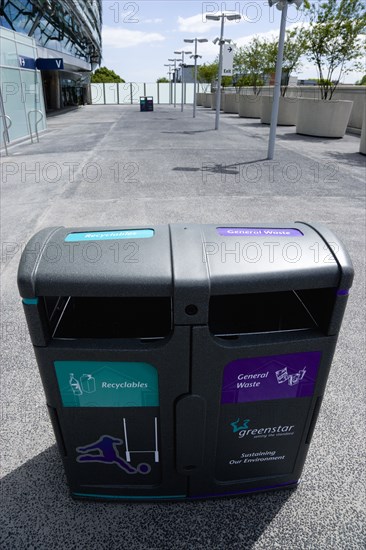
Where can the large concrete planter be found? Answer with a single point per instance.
(206, 102)
(213, 101)
(323, 118)
(199, 98)
(230, 103)
(250, 106)
(287, 110)
(363, 134)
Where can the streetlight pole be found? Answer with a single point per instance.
(182, 79)
(175, 81)
(196, 56)
(281, 5)
(221, 41)
(219, 79)
(170, 82)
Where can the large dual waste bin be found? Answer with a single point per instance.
(146, 103)
(184, 361)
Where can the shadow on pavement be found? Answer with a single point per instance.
(217, 168)
(39, 513)
(293, 136)
(254, 124)
(190, 132)
(64, 111)
(350, 158)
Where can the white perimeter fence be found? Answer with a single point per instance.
(129, 93)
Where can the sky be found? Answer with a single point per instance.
(139, 37)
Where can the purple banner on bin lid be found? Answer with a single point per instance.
(272, 377)
(259, 232)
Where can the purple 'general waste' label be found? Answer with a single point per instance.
(272, 377)
(258, 232)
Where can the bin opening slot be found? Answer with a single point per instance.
(79, 317)
(231, 315)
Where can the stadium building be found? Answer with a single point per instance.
(48, 50)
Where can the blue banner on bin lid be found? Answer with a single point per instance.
(114, 235)
(258, 232)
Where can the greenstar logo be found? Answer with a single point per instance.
(237, 428)
(264, 432)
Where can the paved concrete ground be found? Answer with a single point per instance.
(112, 165)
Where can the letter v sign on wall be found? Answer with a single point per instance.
(45, 64)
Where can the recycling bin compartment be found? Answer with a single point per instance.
(99, 309)
(184, 361)
(85, 317)
(146, 103)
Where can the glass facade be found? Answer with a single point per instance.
(66, 26)
(21, 95)
(32, 29)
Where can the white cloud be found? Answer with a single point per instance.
(156, 20)
(199, 24)
(209, 50)
(269, 35)
(124, 38)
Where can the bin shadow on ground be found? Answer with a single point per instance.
(39, 513)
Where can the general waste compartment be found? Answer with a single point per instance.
(184, 361)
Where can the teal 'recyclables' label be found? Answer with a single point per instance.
(114, 235)
(107, 384)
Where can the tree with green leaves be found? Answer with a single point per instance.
(105, 75)
(208, 72)
(253, 62)
(162, 80)
(294, 48)
(361, 82)
(334, 40)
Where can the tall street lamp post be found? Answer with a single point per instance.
(221, 41)
(170, 81)
(281, 5)
(195, 56)
(183, 53)
(175, 80)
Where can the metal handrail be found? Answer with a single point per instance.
(5, 132)
(37, 122)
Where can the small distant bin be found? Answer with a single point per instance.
(184, 361)
(146, 103)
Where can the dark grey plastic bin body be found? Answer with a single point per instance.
(184, 361)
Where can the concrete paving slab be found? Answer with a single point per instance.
(162, 167)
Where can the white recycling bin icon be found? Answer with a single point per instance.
(87, 382)
(85, 385)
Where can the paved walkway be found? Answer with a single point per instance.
(112, 165)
